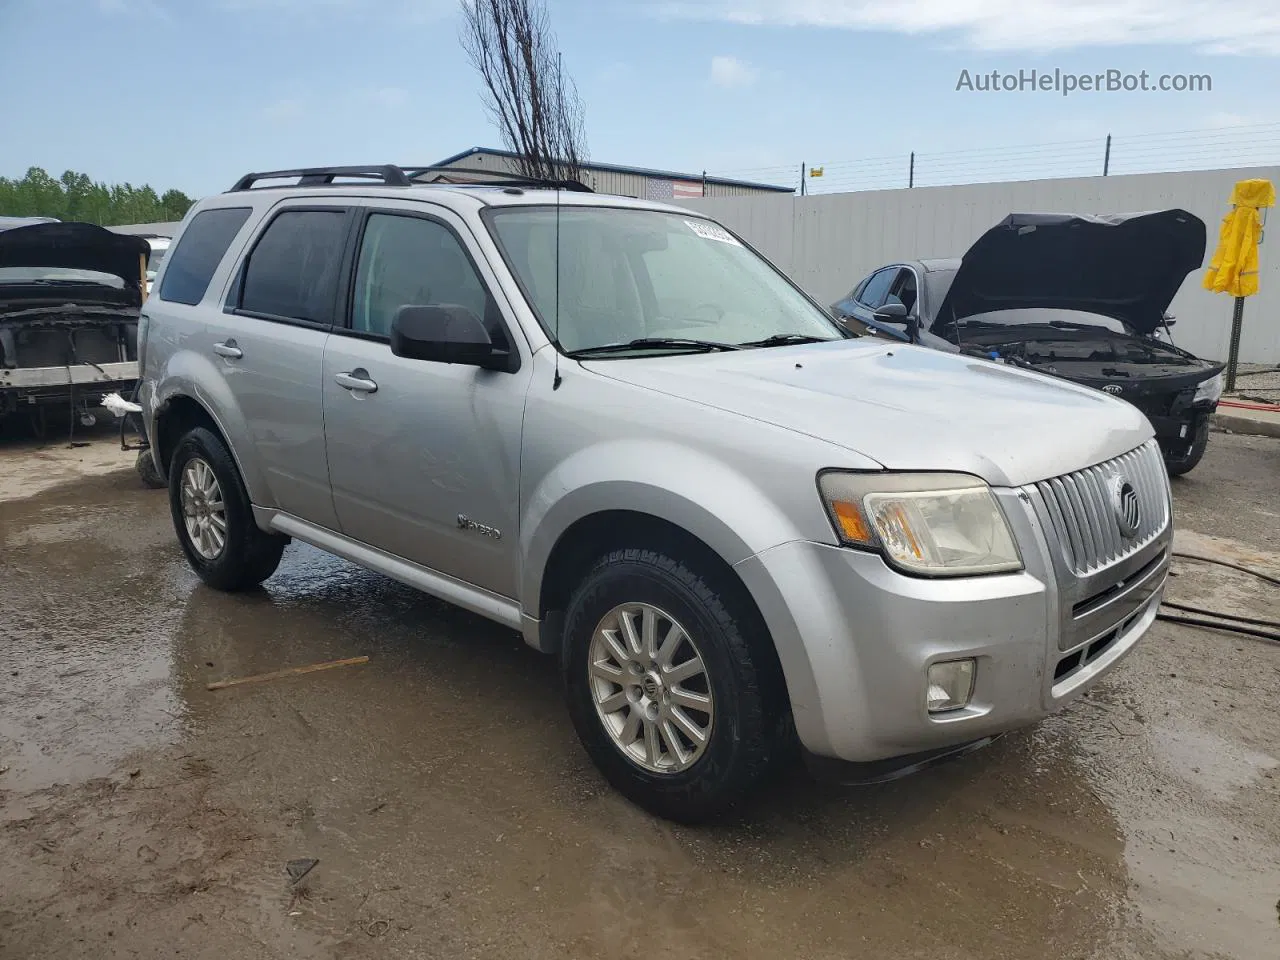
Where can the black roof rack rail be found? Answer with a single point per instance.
(387, 173)
(494, 178)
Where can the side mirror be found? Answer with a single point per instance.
(444, 334)
(892, 313)
(896, 313)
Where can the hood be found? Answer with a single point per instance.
(75, 246)
(1124, 266)
(905, 407)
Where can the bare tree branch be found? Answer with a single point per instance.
(536, 108)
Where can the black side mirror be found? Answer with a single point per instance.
(892, 313)
(897, 313)
(445, 334)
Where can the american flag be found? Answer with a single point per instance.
(672, 189)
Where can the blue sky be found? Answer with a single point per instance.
(192, 93)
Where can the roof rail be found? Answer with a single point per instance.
(474, 176)
(388, 174)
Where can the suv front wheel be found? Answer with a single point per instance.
(213, 517)
(667, 695)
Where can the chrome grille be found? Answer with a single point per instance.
(1081, 508)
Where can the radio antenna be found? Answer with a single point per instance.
(555, 382)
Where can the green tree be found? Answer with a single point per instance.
(75, 196)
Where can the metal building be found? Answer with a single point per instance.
(627, 181)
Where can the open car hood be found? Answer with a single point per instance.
(76, 246)
(1124, 266)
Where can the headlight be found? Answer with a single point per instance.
(937, 525)
(1210, 389)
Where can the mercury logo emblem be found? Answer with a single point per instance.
(1113, 389)
(1128, 510)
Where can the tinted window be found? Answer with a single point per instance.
(293, 270)
(411, 261)
(877, 288)
(936, 285)
(197, 255)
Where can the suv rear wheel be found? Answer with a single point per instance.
(213, 518)
(665, 692)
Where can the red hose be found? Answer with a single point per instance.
(1266, 407)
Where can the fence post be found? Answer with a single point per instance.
(911, 173)
(1106, 158)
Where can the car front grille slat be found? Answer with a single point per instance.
(1080, 509)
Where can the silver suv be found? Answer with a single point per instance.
(612, 426)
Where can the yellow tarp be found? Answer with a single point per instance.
(1234, 267)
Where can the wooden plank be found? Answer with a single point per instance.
(291, 672)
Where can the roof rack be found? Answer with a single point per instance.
(393, 176)
(387, 173)
(491, 178)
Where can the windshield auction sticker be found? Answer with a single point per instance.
(711, 231)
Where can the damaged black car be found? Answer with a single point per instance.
(70, 296)
(1085, 298)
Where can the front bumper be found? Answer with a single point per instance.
(37, 381)
(856, 638)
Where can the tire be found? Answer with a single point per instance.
(1177, 466)
(747, 720)
(246, 555)
(148, 471)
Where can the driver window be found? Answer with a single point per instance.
(903, 290)
(877, 288)
(410, 260)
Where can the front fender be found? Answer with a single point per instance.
(188, 374)
(695, 491)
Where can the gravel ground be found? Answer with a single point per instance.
(453, 814)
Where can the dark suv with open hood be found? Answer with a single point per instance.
(1079, 297)
(70, 294)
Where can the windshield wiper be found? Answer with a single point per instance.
(786, 339)
(644, 343)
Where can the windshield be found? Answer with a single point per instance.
(1044, 317)
(936, 285)
(58, 275)
(627, 275)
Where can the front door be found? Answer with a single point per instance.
(424, 457)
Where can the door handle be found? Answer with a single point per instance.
(228, 350)
(357, 381)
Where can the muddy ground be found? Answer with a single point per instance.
(454, 815)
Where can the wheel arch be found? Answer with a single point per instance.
(177, 414)
(595, 534)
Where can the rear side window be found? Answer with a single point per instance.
(292, 272)
(201, 248)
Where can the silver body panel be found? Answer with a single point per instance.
(726, 446)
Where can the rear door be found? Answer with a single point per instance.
(424, 457)
(268, 343)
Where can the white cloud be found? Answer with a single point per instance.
(388, 97)
(1226, 120)
(730, 72)
(143, 9)
(1246, 26)
(284, 110)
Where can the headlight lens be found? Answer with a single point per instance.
(1210, 389)
(938, 525)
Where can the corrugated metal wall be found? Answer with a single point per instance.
(827, 243)
(614, 182)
